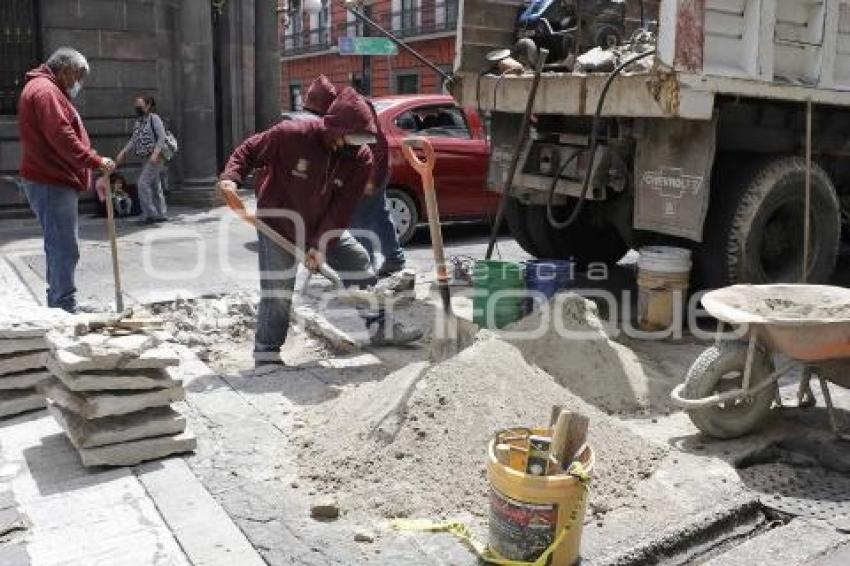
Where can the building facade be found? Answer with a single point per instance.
(199, 58)
(309, 47)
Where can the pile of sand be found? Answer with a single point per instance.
(567, 339)
(414, 443)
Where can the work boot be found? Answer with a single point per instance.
(390, 267)
(264, 359)
(392, 333)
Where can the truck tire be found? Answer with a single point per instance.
(755, 234)
(515, 217)
(582, 242)
(721, 368)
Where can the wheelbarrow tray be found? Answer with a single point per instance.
(807, 323)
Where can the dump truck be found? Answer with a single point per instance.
(705, 147)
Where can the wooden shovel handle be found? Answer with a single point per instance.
(423, 167)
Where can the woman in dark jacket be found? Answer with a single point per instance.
(147, 142)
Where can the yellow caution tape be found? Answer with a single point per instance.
(483, 551)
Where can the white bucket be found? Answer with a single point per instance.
(664, 274)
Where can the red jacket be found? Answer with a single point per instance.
(56, 146)
(303, 176)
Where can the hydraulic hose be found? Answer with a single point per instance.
(594, 144)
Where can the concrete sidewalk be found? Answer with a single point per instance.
(55, 511)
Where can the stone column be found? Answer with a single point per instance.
(267, 64)
(198, 135)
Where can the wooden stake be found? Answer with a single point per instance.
(807, 207)
(113, 244)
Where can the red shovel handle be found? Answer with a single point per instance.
(426, 167)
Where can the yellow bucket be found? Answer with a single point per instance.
(527, 513)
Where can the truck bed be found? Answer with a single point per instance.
(785, 50)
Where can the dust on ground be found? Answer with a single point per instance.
(413, 444)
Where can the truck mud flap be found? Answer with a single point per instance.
(673, 165)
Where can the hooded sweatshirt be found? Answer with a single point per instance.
(55, 144)
(308, 191)
(380, 155)
(320, 95)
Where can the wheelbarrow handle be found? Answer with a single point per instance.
(423, 167)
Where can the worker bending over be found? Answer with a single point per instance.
(316, 172)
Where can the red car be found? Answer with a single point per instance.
(460, 173)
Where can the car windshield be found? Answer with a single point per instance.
(381, 105)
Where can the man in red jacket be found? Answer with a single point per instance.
(316, 171)
(56, 164)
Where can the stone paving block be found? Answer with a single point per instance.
(20, 401)
(23, 380)
(114, 380)
(16, 363)
(14, 345)
(157, 421)
(92, 405)
(137, 451)
(10, 521)
(32, 321)
(104, 352)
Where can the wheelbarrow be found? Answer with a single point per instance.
(732, 386)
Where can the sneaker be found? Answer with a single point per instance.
(390, 267)
(267, 359)
(397, 335)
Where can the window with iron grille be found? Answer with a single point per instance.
(19, 50)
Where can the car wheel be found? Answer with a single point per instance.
(404, 215)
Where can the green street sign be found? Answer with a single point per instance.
(366, 46)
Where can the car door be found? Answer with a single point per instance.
(461, 166)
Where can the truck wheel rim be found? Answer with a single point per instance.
(401, 214)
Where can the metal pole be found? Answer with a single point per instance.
(395, 39)
(519, 145)
(808, 203)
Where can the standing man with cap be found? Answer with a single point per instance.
(316, 172)
(56, 164)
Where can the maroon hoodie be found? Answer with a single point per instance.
(304, 176)
(56, 146)
(380, 155)
(320, 95)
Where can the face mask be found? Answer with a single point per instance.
(74, 91)
(140, 111)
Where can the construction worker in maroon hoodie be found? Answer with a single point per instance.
(316, 172)
(56, 163)
(320, 95)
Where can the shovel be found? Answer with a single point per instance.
(355, 297)
(449, 338)
(113, 242)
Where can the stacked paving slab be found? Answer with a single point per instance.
(112, 395)
(23, 354)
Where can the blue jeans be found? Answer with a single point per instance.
(372, 216)
(278, 270)
(56, 211)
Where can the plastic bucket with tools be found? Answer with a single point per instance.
(663, 278)
(545, 277)
(532, 514)
(499, 297)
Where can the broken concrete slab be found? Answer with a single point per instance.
(31, 321)
(105, 351)
(316, 324)
(92, 405)
(19, 401)
(15, 345)
(83, 433)
(23, 380)
(95, 380)
(16, 363)
(137, 451)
